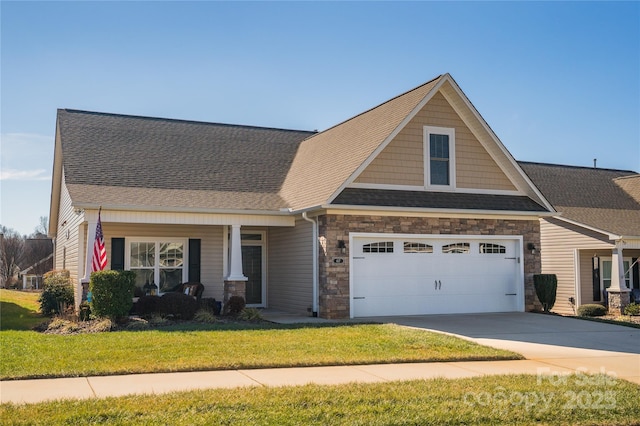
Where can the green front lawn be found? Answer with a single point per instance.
(19, 310)
(28, 354)
(490, 400)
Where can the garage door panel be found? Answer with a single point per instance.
(428, 276)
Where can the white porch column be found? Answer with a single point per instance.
(81, 262)
(618, 282)
(619, 294)
(91, 236)
(235, 263)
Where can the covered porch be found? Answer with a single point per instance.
(266, 259)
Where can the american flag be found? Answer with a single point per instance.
(99, 251)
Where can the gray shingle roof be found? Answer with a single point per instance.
(436, 200)
(589, 196)
(159, 156)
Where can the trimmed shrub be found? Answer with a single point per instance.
(57, 294)
(592, 310)
(632, 309)
(546, 286)
(147, 305)
(234, 306)
(112, 293)
(179, 305)
(211, 305)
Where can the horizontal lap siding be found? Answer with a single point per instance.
(69, 221)
(558, 242)
(402, 161)
(211, 247)
(290, 276)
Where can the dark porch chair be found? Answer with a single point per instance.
(190, 289)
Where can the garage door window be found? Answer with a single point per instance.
(380, 247)
(489, 248)
(456, 248)
(417, 248)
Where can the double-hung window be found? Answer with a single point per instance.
(439, 148)
(160, 261)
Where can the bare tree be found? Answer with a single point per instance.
(35, 251)
(11, 254)
(42, 228)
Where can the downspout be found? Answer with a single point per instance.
(315, 263)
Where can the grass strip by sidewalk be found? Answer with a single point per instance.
(28, 354)
(491, 400)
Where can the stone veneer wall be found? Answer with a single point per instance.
(334, 278)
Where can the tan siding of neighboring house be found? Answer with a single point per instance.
(290, 276)
(402, 161)
(211, 247)
(67, 237)
(558, 242)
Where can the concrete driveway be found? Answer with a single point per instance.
(557, 341)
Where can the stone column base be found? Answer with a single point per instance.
(234, 288)
(618, 300)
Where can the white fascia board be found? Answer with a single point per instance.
(591, 228)
(422, 212)
(495, 138)
(56, 185)
(182, 217)
(124, 207)
(389, 138)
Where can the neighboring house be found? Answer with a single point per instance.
(412, 207)
(596, 233)
(32, 277)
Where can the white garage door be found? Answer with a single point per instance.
(406, 275)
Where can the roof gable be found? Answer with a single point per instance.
(331, 161)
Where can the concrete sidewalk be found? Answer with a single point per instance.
(39, 390)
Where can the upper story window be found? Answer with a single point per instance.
(381, 247)
(439, 157)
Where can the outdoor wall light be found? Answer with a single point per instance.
(342, 246)
(532, 248)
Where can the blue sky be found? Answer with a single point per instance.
(558, 82)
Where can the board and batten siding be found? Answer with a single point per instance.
(211, 256)
(402, 161)
(290, 272)
(558, 244)
(67, 244)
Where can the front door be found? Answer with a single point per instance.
(253, 267)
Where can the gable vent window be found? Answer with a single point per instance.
(381, 247)
(417, 248)
(456, 248)
(439, 157)
(488, 248)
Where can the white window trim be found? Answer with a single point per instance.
(451, 132)
(157, 240)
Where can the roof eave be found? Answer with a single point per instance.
(441, 212)
(125, 207)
